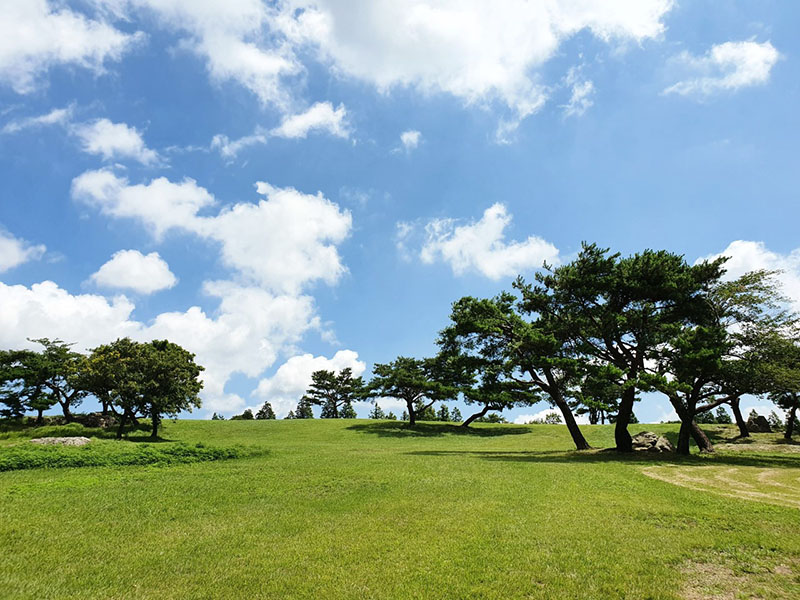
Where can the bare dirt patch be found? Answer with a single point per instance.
(721, 577)
(773, 486)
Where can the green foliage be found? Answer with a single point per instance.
(376, 412)
(722, 416)
(216, 417)
(455, 415)
(335, 392)
(247, 415)
(491, 418)
(265, 412)
(109, 454)
(391, 416)
(348, 412)
(443, 414)
(303, 410)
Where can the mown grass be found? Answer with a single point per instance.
(343, 509)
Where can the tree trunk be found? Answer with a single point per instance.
(701, 439)
(39, 417)
(737, 414)
(684, 435)
(787, 434)
(65, 410)
(477, 415)
(412, 415)
(621, 434)
(156, 422)
(104, 410)
(122, 421)
(572, 425)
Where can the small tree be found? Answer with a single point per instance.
(290, 415)
(61, 371)
(303, 409)
(265, 412)
(391, 416)
(444, 413)
(376, 412)
(216, 417)
(348, 412)
(722, 416)
(247, 415)
(455, 415)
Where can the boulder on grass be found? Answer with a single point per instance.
(61, 441)
(758, 424)
(647, 441)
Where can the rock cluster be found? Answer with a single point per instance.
(758, 424)
(61, 441)
(648, 441)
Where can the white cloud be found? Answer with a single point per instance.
(320, 117)
(293, 377)
(282, 243)
(57, 116)
(160, 205)
(481, 246)
(726, 67)
(130, 269)
(230, 148)
(14, 251)
(410, 139)
(114, 141)
(477, 51)
(246, 334)
(581, 96)
(539, 416)
(745, 256)
(36, 35)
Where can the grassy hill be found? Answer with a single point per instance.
(365, 509)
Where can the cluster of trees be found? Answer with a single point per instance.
(130, 379)
(592, 336)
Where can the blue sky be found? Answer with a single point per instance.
(408, 153)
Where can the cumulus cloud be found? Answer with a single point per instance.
(726, 67)
(745, 256)
(14, 251)
(132, 270)
(282, 242)
(36, 35)
(410, 139)
(246, 334)
(481, 246)
(320, 117)
(474, 50)
(57, 116)
(293, 377)
(229, 148)
(114, 141)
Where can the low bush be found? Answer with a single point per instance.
(107, 453)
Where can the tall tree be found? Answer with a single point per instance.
(265, 412)
(334, 392)
(61, 370)
(417, 382)
(303, 409)
(23, 376)
(620, 311)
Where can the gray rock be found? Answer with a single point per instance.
(758, 425)
(61, 441)
(647, 441)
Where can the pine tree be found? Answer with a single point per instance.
(290, 415)
(303, 410)
(404, 417)
(391, 416)
(444, 413)
(265, 412)
(376, 412)
(348, 412)
(723, 418)
(455, 415)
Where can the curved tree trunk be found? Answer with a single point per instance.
(412, 415)
(701, 439)
(787, 434)
(737, 415)
(477, 415)
(621, 434)
(572, 425)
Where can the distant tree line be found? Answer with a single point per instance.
(590, 337)
(131, 380)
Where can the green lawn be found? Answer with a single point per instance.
(365, 509)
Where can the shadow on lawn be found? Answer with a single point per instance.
(609, 455)
(400, 429)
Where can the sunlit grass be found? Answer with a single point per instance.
(363, 509)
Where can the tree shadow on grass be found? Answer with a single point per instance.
(400, 429)
(609, 455)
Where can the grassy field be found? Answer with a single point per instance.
(365, 509)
